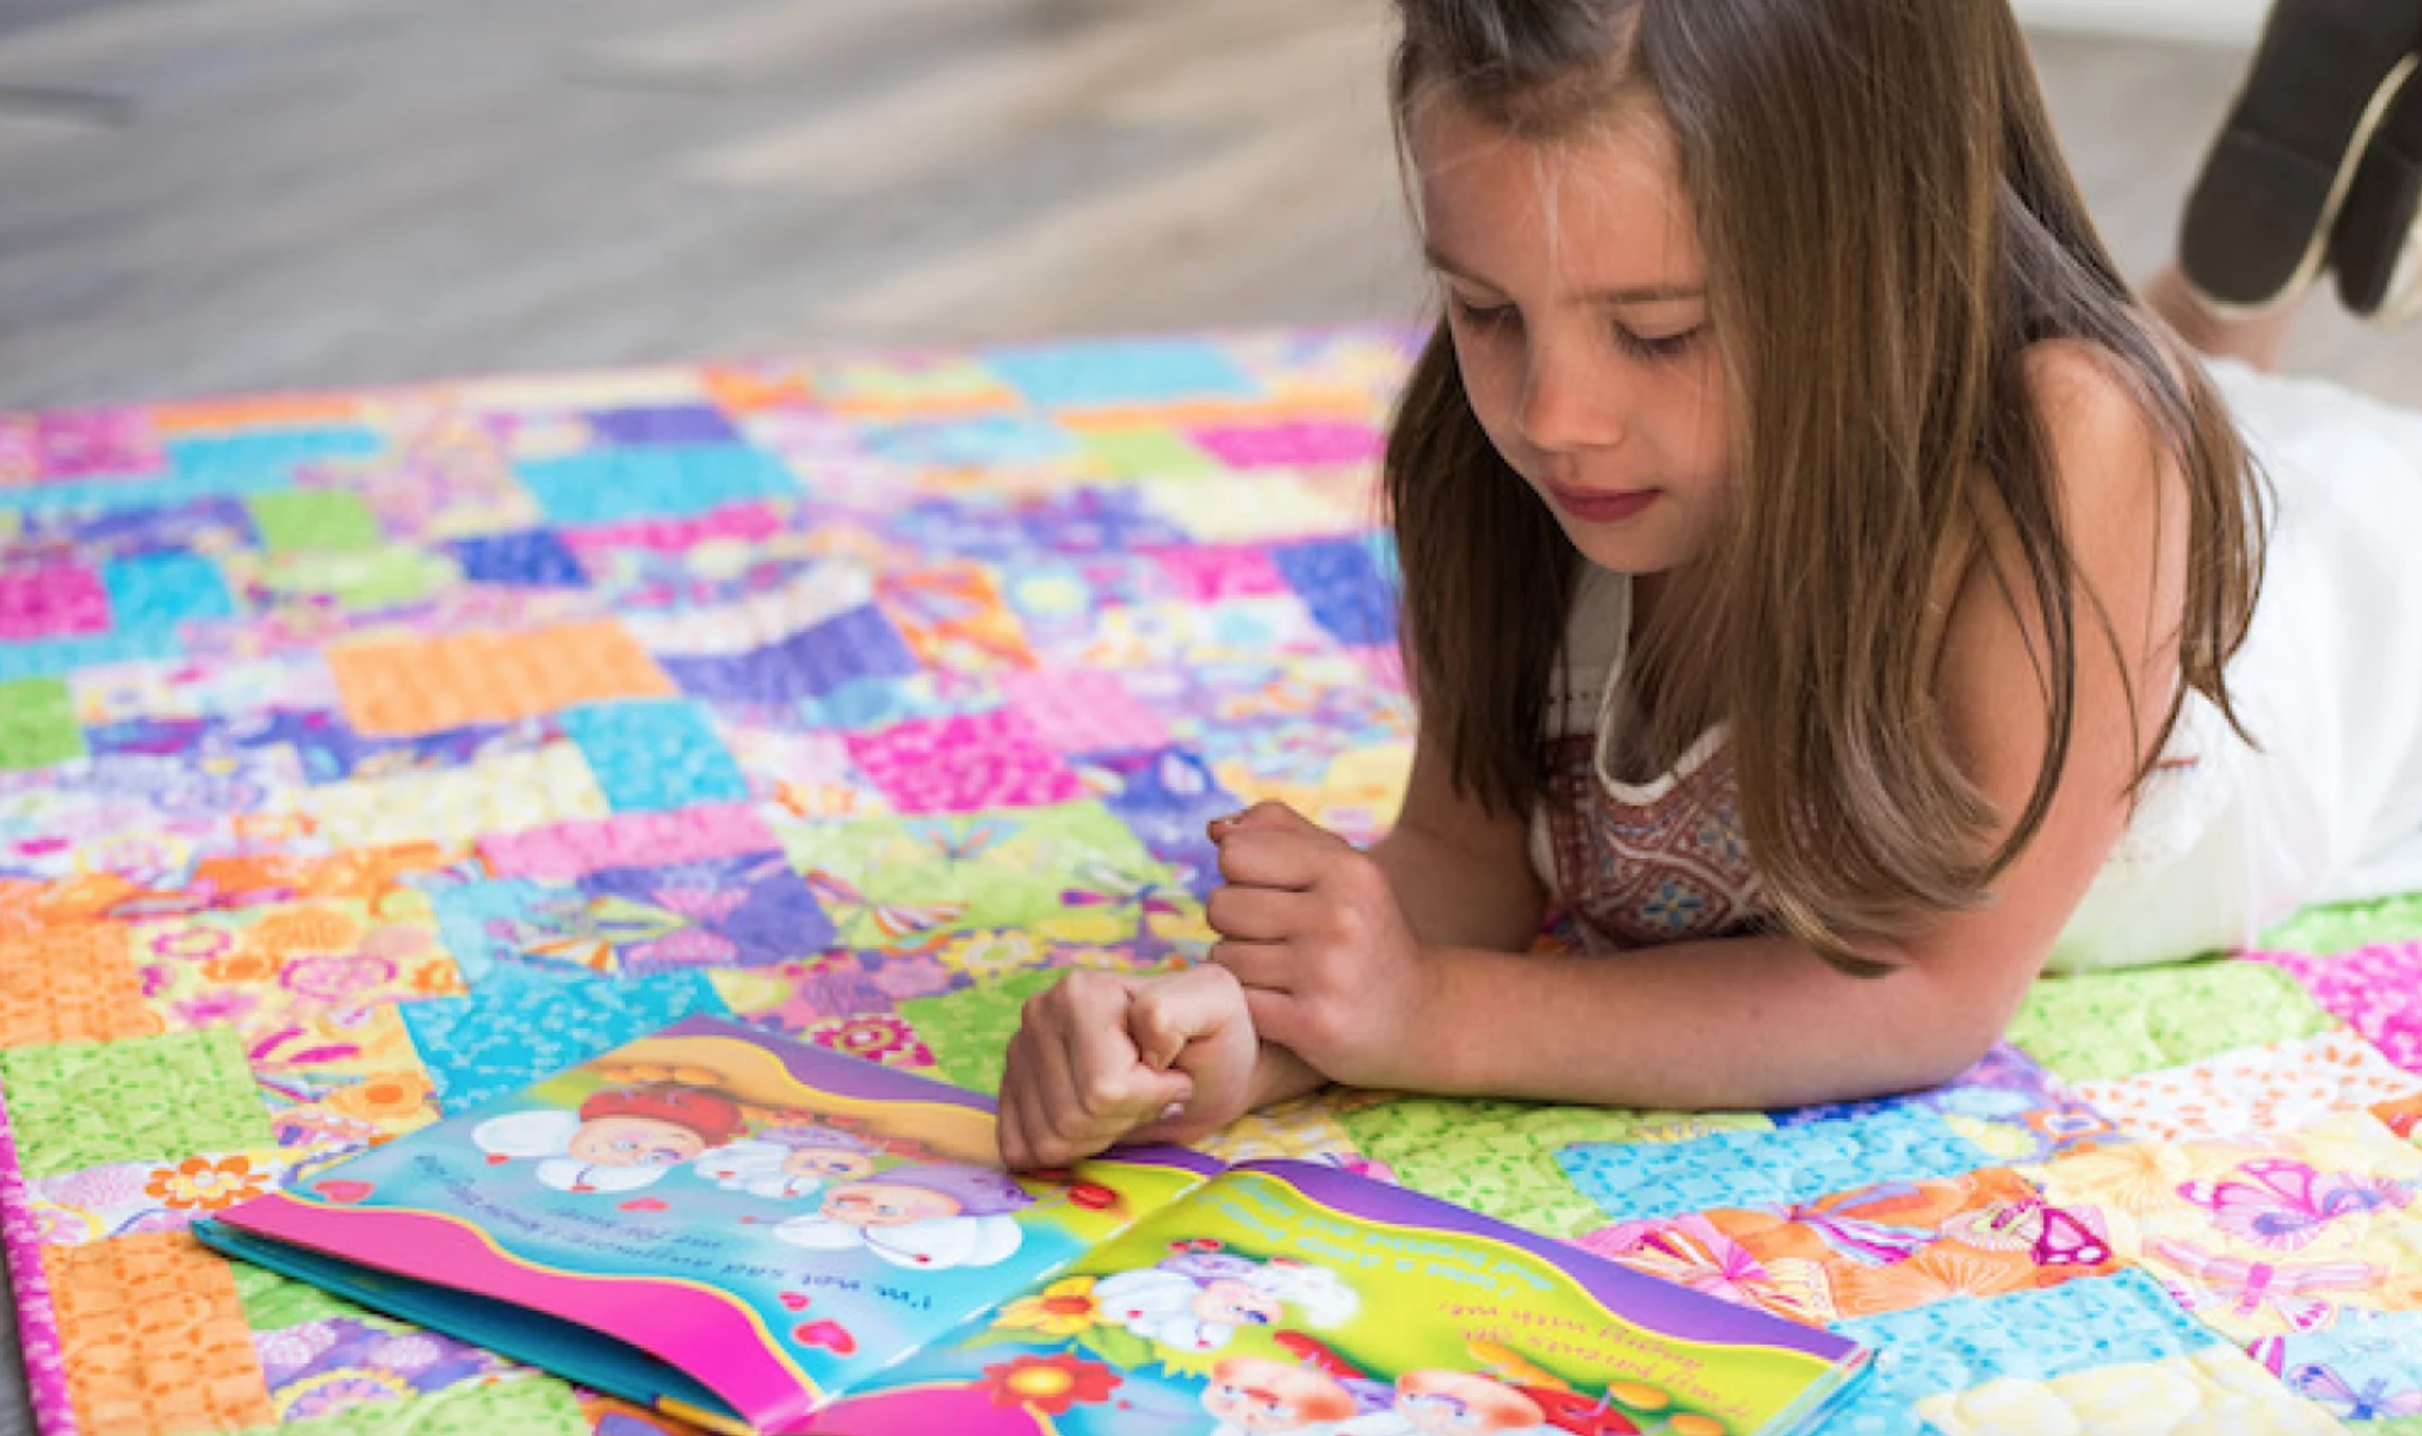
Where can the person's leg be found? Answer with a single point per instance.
(2258, 221)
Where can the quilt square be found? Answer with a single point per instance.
(156, 1339)
(74, 1105)
(964, 765)
(38, 724)
(58, 601)
(71, 984)
(415, 686)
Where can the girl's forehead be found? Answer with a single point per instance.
(1600, 211)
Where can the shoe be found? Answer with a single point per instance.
(2376, 245)
(2259, 221)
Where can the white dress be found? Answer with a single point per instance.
(2329, 808)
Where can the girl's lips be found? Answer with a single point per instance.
(1602, 508)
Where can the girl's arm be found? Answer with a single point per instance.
(1336, 952)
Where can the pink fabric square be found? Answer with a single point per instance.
(964, 765)
(1302, 444)
(746, 523)
(1083, 712)
(53, 602)
(1207, 575)
(78, 444)
(569, 851)
(2376, 990)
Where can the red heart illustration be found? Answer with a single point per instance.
(644, 1204)
(831, 1335)
(796, 1300)
(497, 1159)
(346, 1192)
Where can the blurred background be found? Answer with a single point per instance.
(212, 196)
(204, 196)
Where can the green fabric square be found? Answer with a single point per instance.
(968, 1031)
(1017, 879)
(292, 520)
(530, 1405)
(38, 723)
(359, 580)
(147, 1099)
(276, 1303)
(2329, 931)
(2102, 1026)
(1500, 1157)
(1148, 452)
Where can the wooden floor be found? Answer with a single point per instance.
(202, 196)
(212, 195)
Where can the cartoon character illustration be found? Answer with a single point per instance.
(1195, 1299)
(790, 1162)
(928, 1216)
(620, 1140)
(1256, 1396)
(1461, 1403)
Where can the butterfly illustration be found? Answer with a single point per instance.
(1869, 1243)
(1123, 891)
(2247, 1287)
(2052, 1236)
(2372, 1403)
(2285, 1204)
(896, 922)
(959, 840)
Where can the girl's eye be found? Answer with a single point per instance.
(1483, 317)
(1659, 347)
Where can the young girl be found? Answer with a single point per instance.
(1823, 581)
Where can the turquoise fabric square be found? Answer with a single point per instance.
(1134, 372)
(598, 486)
(58, 657)
(1648, 1182)
(156, 592)
(654, 757)
(523, 1024)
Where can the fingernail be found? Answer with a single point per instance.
(1174, 1109)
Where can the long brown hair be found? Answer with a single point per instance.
(1888, 227)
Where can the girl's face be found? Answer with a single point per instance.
(1232, 1303)
(1576, 294)
(880, 1204)
(634, 1142)
(830, 1164)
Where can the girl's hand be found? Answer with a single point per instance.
(1104, 1057)
(1311, 927)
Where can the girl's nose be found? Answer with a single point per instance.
(1571, 402)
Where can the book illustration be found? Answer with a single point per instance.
(1196, 1298)
(932, 1216)
(618, 1140)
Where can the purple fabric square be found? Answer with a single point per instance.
(720, 912)
(79, 444)
(534, 558)
(1343, 587)
(665, 424)
(855, 645)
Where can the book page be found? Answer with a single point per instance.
(773, 1219)
(1290, 1298)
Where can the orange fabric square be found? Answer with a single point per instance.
(414, 686)
(155, 1338)
(269, 411)
(71, 984)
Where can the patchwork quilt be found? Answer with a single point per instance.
(366, 755)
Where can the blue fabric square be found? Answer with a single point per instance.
(534, 558)
(523, 1024)
(599, 486)
(653, 757)
(1344, 589)
(1096, 521)
(972, 442)
(479, 922)
(1134, 372)
(858, 644)
(2041, 1335)
(56, 657)
(250, 462)
(664, 424)
(1647, 1181)
(156, 592)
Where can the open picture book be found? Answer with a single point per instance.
(757, 1234)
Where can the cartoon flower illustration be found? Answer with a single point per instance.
(306, 930)
(875, 1038)
(223, 1007)
(384, 1097)
(1064, 1308)
(1050, 1385)
(333, 979)
(200, 1184)
(243, 965)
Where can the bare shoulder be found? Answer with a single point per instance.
(2107, 450)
